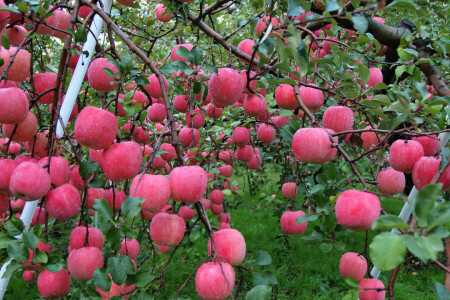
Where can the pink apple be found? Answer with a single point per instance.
(83, 262)
(312, 98)
(187, 183)
(98, 79)
(180, 103)
(403, 154)
(77, 238)
(285, 97)
(195, 118)
(154, 88)
(189, 137)
(59, 169)
(217, 209)
(24, 131)
(161, 14)
(391, 182)
(115, 200)
(226, 87)
(13, 105)
(369, 138)
(289, 225)
(289, 190)
(338, 118)
(357, 210)
(130, 247)
(246, 46)
(354, 265)
(186, 213)
(29, 181)
(7, 167)
(214, 280)
(254, 105)
(311, 145)
(63, 202)
(376, 76)
(245, 153)
(174, 56)
(252, 82)
(29, 276)
(217, 197)
(229, 245)
(122, 161)
(430, 144)
(156, 112)
(213, 111)
(167, 229)
(371, 289)
(53, 285)
(20, 68)
(424, 170)
(154, 188)
(226, 170)
(240, 136)
(266, 133)
(255, 163)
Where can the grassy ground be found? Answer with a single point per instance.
(301, 269)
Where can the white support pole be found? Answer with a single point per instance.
(66, 110)
(406, 211)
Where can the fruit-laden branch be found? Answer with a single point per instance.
(152, 67)
(433, 75)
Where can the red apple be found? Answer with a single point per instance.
(195, 118)
(63, 202)
(226, 170)
(122, 161)
(403, 154)
(24, 131)
(338, 118)
(77, 238)
(59, 169)
(245, 153)
(154, 88)
(357, 210)
(430, 144)
(189, 137)
(53, 285)
(20, 68)
(29, 181)
(98, 79)
(154, 188)
(13, 105)
(161, 14)
(289, 225)
(180, 103)
(226, 87)
(130, 247)
(266, 133)
(115, 200)
(167, 229)
(156, 112)
(354, 265)
(186, 213)
(229, 245)
(254, 105)
(289, 190)
(7, 167)
(217, 197)
(285, 97)
(391, 182)
(213, 111)
(240, 136)
(376, 76)
(214, 280)
(174, 56)
(311, 145)
(371, 289)
(83, 262)
(312, 98)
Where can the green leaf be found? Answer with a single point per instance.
(262, 258)
(13, 9)
(11, 268)
(386, 222)
(436, 100)
(184, 52)
(210, 68)
(259, 292)
(101, 279)
(109, 72)
(306, 218)
(86, 169)
(18, 251)
(103, 208)
(30, 240)
(424, 247)
(6, 240)
(351, 282)
(439, 216)
(295, 8)
(265, 278)
(143, 277)
(352, 294)
(168, 69)
(14, 226)
(40, 257)
(425, 201)
(332, 5)
(360, 23)
(113, 238)
(441, 291)
(141, 80)
(126, 63)
(196, 56)
(119, 267)
(403, 5)
(286, 113)
(387, 251)
(316, 188)
(364, 73)
(400, 118)
(5, 40)
(54, 264)
(132, 206)
(97, 183)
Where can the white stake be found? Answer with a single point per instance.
(66, 110)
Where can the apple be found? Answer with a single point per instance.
(20, 67)
(265, 133)
(161, 14)
(98, 79)
(217, 209)
(63, 202)
(189, 137)
(245, 153)
(75, 178)
(24, 131)
(403, 154)
(122, 161)
(154, 88)
(59, 169)
(154, 188)
(217, 197)
(285, 97)
(312, 98)
(311, 145)
(371, 289)
(240, 136)
(262, 25)
(289, 225)
(424, 170)
(289, 190)
(29, 275)
(354, 265)
(115, 200)
(29, 181)
(213, 111)
(226, 170)
(167, 229)
(84, 11)
(206, 203)
(187, 183)
(77, 238)
(53, 285)
(254, 105)
(156, 112)
(369, 138)
(246, 46)
(181, 103)
(357, 210)
(229, 245)
(95, 128)
(224, 218)
(391, 182)
(186, 213)
(255, 163)
(214, 280)
(376, 76)
(430, 144)
(83, 262)
(130, 247)
(171, 153)
(174, 56)
(252, 82)
(338, 118)
(226, 87)
(195, 118)
(13, 105)
(7, 167)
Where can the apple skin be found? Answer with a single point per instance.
(167, 229)
(371, 294)
(357, 210)
(156, 112)
(43, 82)
(391, 182)
(122, 161)
(255, 163)
(78, 236)
(98, 79)
(29, 181)
(213, 111)
(246, 46)
(174, 56)
(7, 167)
(188, 183)
(229, 245)
(198, 118)
(83, 262)
(376, 76)
(430, 144)
(369, 138)
(217, 197)
(186, 213)
(289, 225)
(75, 178)
(403, 154)
(171, 153)
(311, 145)
(217, 209)
(159, 14)
(206, 203)
(29, 276)
(20, 68)
(95, 128)
(245, 153)
(25, 130)
(214, 280)
(153, 88)
(338, 118)
(289, 190)
(354, 265)
(312, 98)
(53, 285)
(265, 133)
(189, 137)
(63, 202)
(424, 170)
(226, 87)
(240, 136)
(154, 188)
(84, 11)
(13, 105)
(180, 103)
(254, 105)
(285, 97)
(224, 218)
(59, 169)
(114, 202)
(130, 247)
(226, 170)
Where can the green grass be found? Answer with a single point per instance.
(301, 269)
